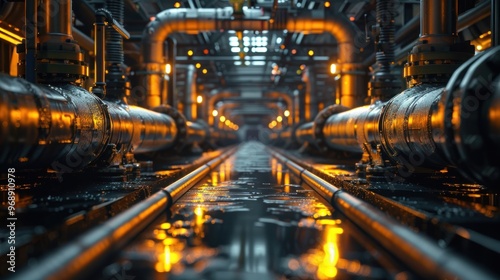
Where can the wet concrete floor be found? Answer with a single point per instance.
(251, 219)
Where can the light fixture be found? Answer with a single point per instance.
(222, 119)
(190, 52)
(279, 119)
(199, 99)
(286, 113)
(333, 68)
(310, 53)
(168, 68)
(198, 65)
(215, 113)
(10, 37)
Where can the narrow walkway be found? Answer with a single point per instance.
(251, 220)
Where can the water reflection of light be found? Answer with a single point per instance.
(287, 178)
(279, 173)
(222, 173)
(215, 178)
(327, 268)
(273, 166)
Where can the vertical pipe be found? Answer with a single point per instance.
(495, 23)
(115, 74)
(100, 58)
(31, 38)
(438, 17)
(171, 85)
(190, 94)
(57, 16)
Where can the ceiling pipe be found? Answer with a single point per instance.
(193, 21)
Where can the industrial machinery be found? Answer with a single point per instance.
(122, 121)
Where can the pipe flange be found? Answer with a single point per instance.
(466, 99)
(319, 123)
(180, 123)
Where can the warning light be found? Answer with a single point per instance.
(205, 51)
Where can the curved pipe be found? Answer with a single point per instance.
(216, 98)
(194, 21)
(288, 100)
(67, 128)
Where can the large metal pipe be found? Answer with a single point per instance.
(66, 128)
(205, 20)
(438, 17)
(431, 126)
(57, 15)
(305, 133)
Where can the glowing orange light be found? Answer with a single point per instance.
(205, 51)
(351, 18)
(204, 71)
(198, 65)
(294, 51)
(327, 4)
(177, 5)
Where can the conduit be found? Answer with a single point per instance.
(193, 21)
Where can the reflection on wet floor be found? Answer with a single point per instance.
(251, 220)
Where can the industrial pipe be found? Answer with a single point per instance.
(190, 95)
(205, 20)
(214, 98)
(66, 128)
(384, 84)
(431, 126)
(305, 133)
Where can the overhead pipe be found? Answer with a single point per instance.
(432, 124)
(205, 20)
